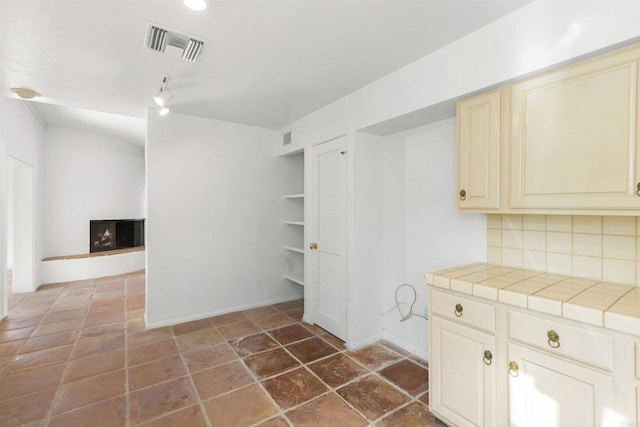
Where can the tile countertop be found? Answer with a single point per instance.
(590, 301)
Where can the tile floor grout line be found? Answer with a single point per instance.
(242, 316)
(283, 411)
(67, 363)
(330, 390)
(127, 391)
(199, 400)
(256, 380)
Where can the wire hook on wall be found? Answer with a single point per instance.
(399, 303)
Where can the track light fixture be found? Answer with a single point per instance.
(162, 111)
(162, 98)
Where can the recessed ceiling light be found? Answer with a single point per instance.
(197, 5)
(25, 93)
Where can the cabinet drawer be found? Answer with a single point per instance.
(588, 346)
(464, 310)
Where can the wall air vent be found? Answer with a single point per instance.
(158, 38)
(286, 138)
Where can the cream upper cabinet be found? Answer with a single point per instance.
(479, 152)
(574, 140)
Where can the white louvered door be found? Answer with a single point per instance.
(329, 233)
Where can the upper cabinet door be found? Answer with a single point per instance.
(479, 152)
(574, 141)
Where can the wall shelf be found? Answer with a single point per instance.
(295, 277)
(292, 202)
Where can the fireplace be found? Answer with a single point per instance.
(112, 234)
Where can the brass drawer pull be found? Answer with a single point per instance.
(553, 339)
(458, 311)
(514, 369)
(638, 190)
(487, 358)
(463, 193)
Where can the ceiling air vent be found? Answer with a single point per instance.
(158, 38)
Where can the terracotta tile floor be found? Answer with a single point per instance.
(78, 354)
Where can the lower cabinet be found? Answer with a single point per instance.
(527, 369)
(548, 391)
(638, 405)
(462, 374)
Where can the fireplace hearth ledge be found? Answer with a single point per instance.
(91, 266)
(95, 254)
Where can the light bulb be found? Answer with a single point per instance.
(197, 5)
(162, 98)
(162, 111)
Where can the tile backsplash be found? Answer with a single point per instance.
(606, 248)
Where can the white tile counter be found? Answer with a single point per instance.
(609, 305)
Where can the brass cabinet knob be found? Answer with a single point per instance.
(458, 311)
(463, 194)
(514, 369)
(638, 189)
(553, 339)
(487, 358)
(313, 246)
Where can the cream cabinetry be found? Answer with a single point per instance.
(479, 151)
(549, 391)
(574, 136)
(583, 345)
(568, 141)
(462, 376)
(544, 370)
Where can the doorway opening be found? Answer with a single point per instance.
(20, 231)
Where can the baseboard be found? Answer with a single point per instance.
(357, 345)
(416, 351)
(199, 316)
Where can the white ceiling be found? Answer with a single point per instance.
(267, 62)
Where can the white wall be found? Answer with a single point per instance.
(21, 137)
(365, 240)
(21, 226)
(422, 230)
(214, 231)
(537, 36)
(88, 176)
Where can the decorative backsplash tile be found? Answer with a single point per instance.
(605, 248)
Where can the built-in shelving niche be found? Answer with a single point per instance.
(293, 219)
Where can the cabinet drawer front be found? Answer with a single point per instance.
(588, 346)
(464, 310)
